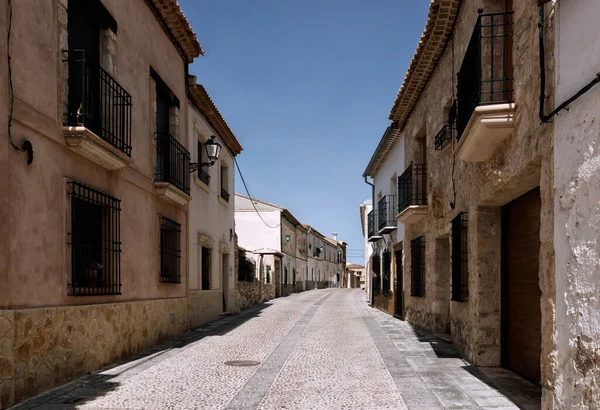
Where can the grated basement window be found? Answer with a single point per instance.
(95, 242)
(460, 258)
(170, 251)
(417, 266)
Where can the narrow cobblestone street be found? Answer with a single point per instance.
(321, 349)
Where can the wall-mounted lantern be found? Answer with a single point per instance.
(287, 238)
(213, 150)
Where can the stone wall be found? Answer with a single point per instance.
(288, 289)
(45, 347)
(249, 294)
(268, 291)
(520, 164)
(385, 303)
(205, 306)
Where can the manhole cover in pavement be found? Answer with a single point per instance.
(242, 363)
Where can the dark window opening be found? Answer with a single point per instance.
(376, 266)
(202, 173)
(205, 268)
(417, 266)
(460, 258)
(170, 251)
(224, 181)
(386, 272)
(95, 242)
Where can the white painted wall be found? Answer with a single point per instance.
(365, 208)
(209, 215)
(252, 232)
(577, 204)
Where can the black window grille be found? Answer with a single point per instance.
(95, 242)
(443, 138)
(417, 266)
(412, 186)
(172, 162)
(170, 251)
(460, 258)
(485, 76)
(202, 174)
(371, 223)
(386, 272)
(205, 268)
(387, 212)
(98, 102)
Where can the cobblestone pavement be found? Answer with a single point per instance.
(320, 349)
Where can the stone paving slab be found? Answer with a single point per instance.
(320, 349)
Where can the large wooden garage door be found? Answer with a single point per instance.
(521, 313)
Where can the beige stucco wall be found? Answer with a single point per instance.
(34, 219)
(66, 336)
(521, 163)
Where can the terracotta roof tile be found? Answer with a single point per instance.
(176, 24)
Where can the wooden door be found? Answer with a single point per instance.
(521, 312)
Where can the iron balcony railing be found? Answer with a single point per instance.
(98, 102)
(371, 223)
(172, 162)
(485, 76)
(224, 194)
(412, 187)
(387, 211)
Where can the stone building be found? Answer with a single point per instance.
(97, 175)
(212, 278)
(383, 231)
(478, 254)
(576, 201)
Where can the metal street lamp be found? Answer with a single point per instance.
(213, 150)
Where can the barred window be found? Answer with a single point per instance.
(205, 268)
(460, 258)
(376, 266)
(417, 266)
(95, 242)
(170, 251)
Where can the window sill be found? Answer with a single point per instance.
(224, 202)
(201, 184)
(87, 144)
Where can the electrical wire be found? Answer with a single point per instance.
(250, 196)
(12, 94)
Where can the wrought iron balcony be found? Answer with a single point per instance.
(387, 214)
(412, 193)
(98, 103)
(372, 233)
(172, 167)
(485, 86)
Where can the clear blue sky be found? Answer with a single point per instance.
(307, 86)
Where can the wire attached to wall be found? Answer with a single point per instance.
(27, 147)
(250, 196)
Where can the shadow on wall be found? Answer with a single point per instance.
(97, 384)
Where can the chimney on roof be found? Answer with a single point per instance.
(335, 236)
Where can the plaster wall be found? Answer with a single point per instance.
(36, 209)
(211, 224)
(252, 232)
(576, 206)
(523, 162)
